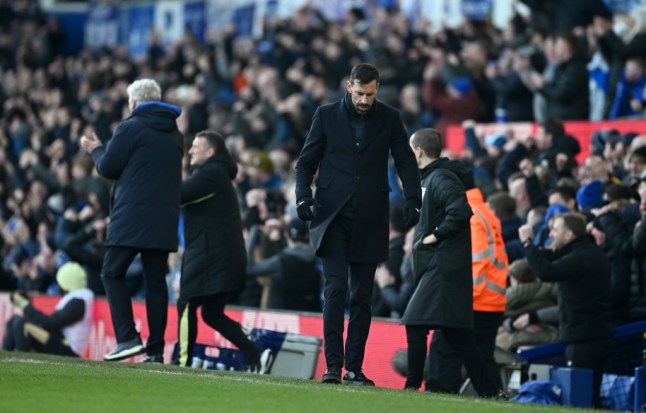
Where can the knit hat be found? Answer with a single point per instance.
(462, 84)
(590, 196)
(554, 209)
(498, 139)
(261, 160)
(297, 230)
(521, 271)
(71, 276)
(639, 154)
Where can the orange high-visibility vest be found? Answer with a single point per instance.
(488, 256)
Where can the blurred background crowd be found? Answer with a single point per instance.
(556, 61)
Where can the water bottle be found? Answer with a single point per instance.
(501, 115)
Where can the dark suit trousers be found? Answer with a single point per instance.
(336, 268)
(155, 264)
(462, 342)
(213, 315)
(591, 355)
(444, 363)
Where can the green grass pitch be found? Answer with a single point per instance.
(33, 383)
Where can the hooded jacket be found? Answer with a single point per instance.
(215, 259)
(443, 293)
(144, 158)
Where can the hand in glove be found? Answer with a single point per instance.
(411, 212)
(20, 299)
(305, 208)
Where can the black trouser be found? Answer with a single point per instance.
(213, 315)
(155, 265)
(461, 341)
(21, 335)
(591, 355)
(444, 363)
(334, 256)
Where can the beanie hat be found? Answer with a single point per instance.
(521, 271)
(498, 139)
(261, 160)
(462, 84)
(297, 230)
(590, 196)
(554, 209)
(639, 154)
(71, 276)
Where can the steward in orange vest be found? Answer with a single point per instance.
(488, 257)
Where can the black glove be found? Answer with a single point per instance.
(411, 212)
(304, 208)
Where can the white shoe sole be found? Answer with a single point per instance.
(124, 354)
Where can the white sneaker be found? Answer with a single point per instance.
(263, 364)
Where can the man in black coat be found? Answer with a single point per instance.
(144, 157)
(582, 272)
(348, 144)
(213, 265)
(443, 296)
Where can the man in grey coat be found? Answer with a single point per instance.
(213, 265)
(443, 296)
(144, 158)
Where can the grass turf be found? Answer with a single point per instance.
(40, 383)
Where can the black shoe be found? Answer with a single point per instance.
(126, 349)
(262, 365)
(357, 378)
(502, 396)
(155, 358)
(332, 375)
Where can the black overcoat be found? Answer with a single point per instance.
(144, 158)
(214, 259)
(349, 169)
(443, 294)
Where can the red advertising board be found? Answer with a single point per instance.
(386, 336)
(582, 131)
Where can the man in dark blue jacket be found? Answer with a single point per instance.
(348, 144)
(144, 158)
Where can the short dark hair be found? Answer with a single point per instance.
(429, 140)
(567, 192)
(213, 139)
(364, 73)
(575, 222)
(554, 127)
(503, 205)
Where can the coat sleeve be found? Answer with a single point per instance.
(308, 161)
(447, 190)
(201, 185)
(110, 161)
(549, 267)
(68, 315)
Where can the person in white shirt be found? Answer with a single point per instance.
(66, 331)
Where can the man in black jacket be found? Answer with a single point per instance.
(213, 265)
(144, 157)
(582, 272)
(348, 144)
(443, 296)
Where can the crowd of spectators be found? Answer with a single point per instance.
(571, 61)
